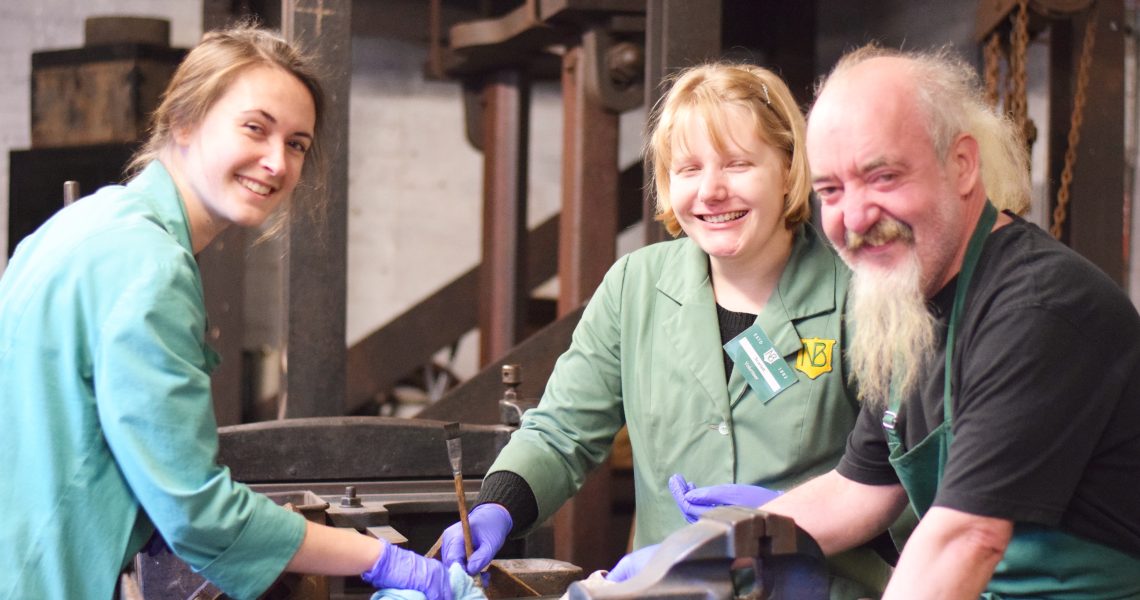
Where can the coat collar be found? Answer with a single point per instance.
(692, 329)
(806, 288)
(155, 185)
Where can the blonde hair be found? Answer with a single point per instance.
(208, 70)
(704, 90)
(951, 97)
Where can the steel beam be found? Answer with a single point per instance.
(586, 251)
(502, 289)
(353, 448)
(377, 362)
(476, 400)
(589, 186)
(314, 303)
(222, 265)
(678, 33)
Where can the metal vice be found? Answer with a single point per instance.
(710, 559)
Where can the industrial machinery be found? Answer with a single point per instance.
(731, 553)
(389, 477)
(392, 478)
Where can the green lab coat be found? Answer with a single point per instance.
(105, 400)
(647, 354)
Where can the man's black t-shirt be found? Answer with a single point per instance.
(1046, 411)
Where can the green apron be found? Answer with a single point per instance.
(1039, 561)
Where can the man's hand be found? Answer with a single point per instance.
(405, 570)
(694, 501)
(490, 524)
(631, 564)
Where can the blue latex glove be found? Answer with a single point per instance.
(631, 564)
(462, 588)
(490, 524)
(406, 570)
(694, 501)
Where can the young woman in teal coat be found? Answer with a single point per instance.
(654, 349)
(104, 370)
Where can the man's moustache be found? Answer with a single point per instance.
(883, 231)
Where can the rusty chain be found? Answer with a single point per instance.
(1018, 57)
(1060, 212)
(993, 56)
(1015, 99)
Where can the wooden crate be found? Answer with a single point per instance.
(98, 94)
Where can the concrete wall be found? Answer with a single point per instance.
(415, 184)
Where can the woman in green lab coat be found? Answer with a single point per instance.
(658, 346)
(105, 372)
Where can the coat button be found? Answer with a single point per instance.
(722, 428)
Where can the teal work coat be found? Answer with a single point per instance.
(647, 354)
(105, 401)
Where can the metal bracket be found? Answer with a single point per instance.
(615, 69)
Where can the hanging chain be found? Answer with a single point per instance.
(993, 56)
(1019, 44)
(1018, 109)
(1060, 213)
(1007, 85)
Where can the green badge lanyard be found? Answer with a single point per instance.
(973, 253)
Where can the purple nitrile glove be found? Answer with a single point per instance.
(490, 524)
(631, 564)
(405, 570)
(694, 501)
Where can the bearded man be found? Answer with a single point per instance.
(999, 370)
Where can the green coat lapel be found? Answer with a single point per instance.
(692, 327)
(795, 298)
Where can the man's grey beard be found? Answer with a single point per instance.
(894, 332)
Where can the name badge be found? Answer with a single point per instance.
(756, 357)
